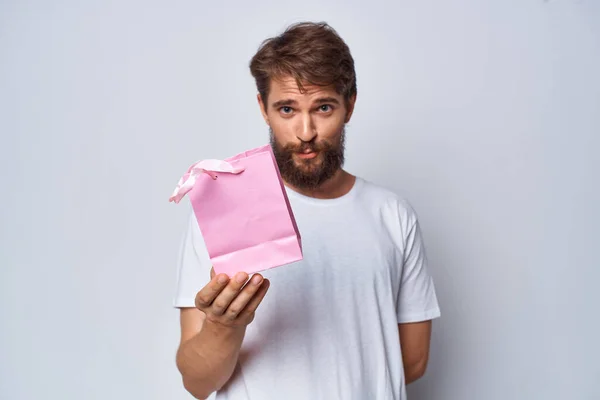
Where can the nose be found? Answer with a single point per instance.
(308, 130)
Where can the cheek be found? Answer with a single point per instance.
(330, 127)
(284, 129)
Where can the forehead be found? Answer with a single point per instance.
(287, 88)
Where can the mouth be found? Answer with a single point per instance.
(307, 155)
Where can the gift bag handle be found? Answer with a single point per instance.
(209, 167)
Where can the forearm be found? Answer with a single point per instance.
(411, 376)
(207, 361)
(414, 371)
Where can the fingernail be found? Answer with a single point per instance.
(256, 280)
(222, 279)
(241, 277)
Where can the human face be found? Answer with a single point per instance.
(307, 131)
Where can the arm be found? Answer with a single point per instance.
(417, 303)
(415, 340)
(212, 333)
(207, 354)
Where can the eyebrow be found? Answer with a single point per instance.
(323, 100)
(290, 102)
(283, 103)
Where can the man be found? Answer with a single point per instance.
(352, 320)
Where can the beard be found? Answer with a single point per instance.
(309, 174)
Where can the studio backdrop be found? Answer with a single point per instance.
(484, 115)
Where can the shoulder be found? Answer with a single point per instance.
(193, 242)
(392, 214)
(388, 204)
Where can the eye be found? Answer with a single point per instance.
(325, 108)
(285, 109)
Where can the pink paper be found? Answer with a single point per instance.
(244, 213)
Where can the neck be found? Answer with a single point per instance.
(338, 185)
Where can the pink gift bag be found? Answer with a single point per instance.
(243, 212)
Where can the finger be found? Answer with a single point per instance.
(208, 293)
(246, 294)
(222, 301)
(212, 273)
(256, 299)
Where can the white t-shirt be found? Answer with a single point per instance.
(328, 327)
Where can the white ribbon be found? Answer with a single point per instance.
(210, 167)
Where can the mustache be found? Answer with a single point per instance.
(302, 147)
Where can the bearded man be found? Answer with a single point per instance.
(352, 320)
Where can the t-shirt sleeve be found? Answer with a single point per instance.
(417, 300)
(193, 265)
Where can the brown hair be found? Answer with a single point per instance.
(309, 52)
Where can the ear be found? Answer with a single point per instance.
(350, 106)
(263, 108)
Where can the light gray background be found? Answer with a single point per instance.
(485, 115)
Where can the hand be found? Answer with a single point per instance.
(230, 303)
